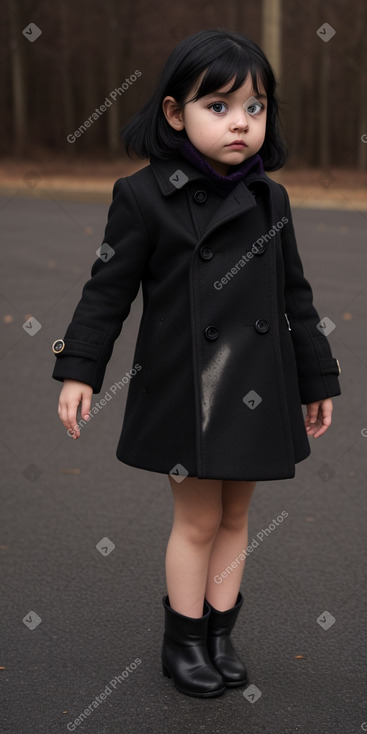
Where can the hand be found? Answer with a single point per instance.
(71, 394)
(318, 418)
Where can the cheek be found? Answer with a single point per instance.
(196, 122)
(261, 129)
(201, 127)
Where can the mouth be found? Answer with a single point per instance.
(237, 144)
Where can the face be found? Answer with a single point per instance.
(226, 128)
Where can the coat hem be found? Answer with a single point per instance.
(259, 478)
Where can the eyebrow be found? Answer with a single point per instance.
(224, 94)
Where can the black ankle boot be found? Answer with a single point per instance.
(185, 656)
(220, 648)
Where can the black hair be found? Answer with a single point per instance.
(223, 54)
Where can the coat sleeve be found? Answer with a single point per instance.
(107, 296)
(318, 370)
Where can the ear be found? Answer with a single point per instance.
(172, 113)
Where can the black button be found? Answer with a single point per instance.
(206, 253)
(260, 249)
(200, 196)
(211, 333)
(58, 346)
(262, 326)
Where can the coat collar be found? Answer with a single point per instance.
(175, 173)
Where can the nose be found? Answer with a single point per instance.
(240, 120)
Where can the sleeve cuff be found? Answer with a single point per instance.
(330, 366)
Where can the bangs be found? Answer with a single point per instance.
(220, 71)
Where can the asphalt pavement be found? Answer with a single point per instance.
(82, 626)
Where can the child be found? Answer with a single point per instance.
(229, 346)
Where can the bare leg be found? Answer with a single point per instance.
(231, 539)
(197, 516)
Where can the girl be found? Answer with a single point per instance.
(229, 346)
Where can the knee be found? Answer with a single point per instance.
(235, 519)
(201, 530)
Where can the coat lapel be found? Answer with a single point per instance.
(237, 202)
(174, 173)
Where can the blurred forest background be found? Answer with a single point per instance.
(49, 86)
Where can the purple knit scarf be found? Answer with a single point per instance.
(224, 184)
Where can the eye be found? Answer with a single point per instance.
(216, 107)
(253, 107)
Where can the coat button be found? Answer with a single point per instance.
(260, 249)
(206, 253)
(58, 346)
(211, 333)
(262, 326)
(200, 196)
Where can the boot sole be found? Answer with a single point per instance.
(236, 683)
(210, 694)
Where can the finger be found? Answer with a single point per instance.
(312, 413)
(73, 432)
(319, 432)
(63, 412)
(67, 410)
(312, 422)
(326, 422)
(311, 430)
(86, 400)
(71, 422)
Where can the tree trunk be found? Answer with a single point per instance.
(16, 40)
(120, 30)
(324, 137)
(68, 111)
(112, 76)
(271, 33)
(88, 95)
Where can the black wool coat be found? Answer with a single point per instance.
(228, 347)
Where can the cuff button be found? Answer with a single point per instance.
(58, 346)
